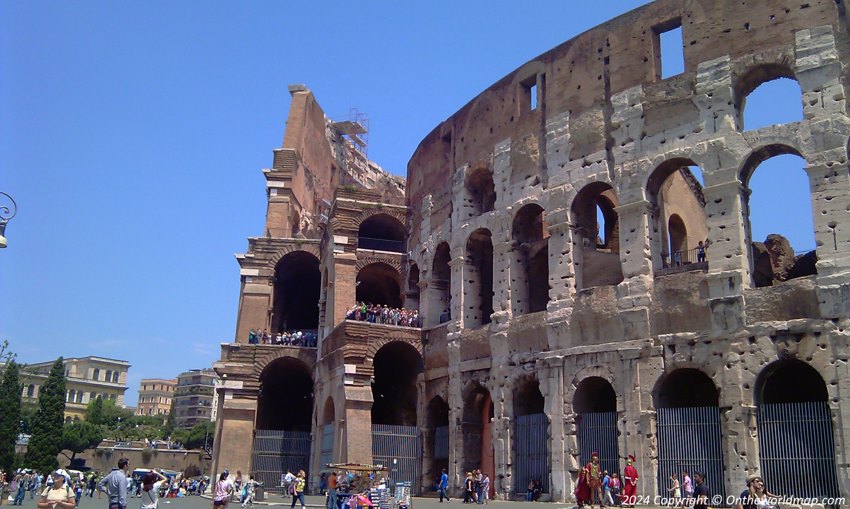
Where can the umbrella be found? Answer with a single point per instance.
(364, 501)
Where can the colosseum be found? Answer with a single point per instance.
(545, 250)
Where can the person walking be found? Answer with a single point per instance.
(675, 490)
(21, 491)
(298, 489)
(223, 491)
(115, 485)
(151, 485)
(687, 489)
(701, 494)
(606, 489)
(442, 486)
(58, 495)
(486, 488)
(250, 491)
(333, 485)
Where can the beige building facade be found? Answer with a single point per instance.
(86, 378)
(155, 396)
(549, 237)
(193, 397)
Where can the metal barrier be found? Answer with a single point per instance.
(393, 246)
(327, 449)
(597, 432)
(441, 442)
(400, 449)
(689, 439)
(531, 450)
(797, 449)
(277, 452)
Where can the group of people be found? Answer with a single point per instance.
(383, 314)
(476, 487)
(307, 339)
(597, 487)
(16, 485)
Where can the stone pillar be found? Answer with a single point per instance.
(551, 376)
(639, 433)
(455, 402)
(280, 200)
(255, 301)
(503, 250)
(357, 426)
(562, 287)
(501, 429)
(460, 271)
(634, 294)
(737, 423)
(234, 442)
(344, 286)
(502, 173)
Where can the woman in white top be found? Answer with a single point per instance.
(151, 484)
(58, 495)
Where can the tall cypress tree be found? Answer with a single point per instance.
(46, 440)
(10, 415)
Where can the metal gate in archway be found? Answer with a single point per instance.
(689, 439)
(531, 461)
(597, 432)
(276, 452)
(797, 449)
(327, 449)
(398, 448)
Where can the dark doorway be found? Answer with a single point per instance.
(297, 286)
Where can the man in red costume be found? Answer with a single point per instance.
(594, 479)
(630, 477)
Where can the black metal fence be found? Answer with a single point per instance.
(531, 449)
(277, 452)
(393, 246)
(400, 449)
(597, 432)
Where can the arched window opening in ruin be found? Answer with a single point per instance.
(685, 388)
(285, 402)
(768, 95)
(595, 406)
(440, 287)
(778, 216)
(396, 367)
(378, 283)
(478, 283)
(476, 429)
(528, 399)
(411, 300)
(793, 410)
(382, 232)
(296, 223)
(596, 237)
(328, 414)
(677, 216)
(530, 283)
(31, 391)
(297, 285)
(789, 381)
(481, 191)
(436, 457)
(594, 394)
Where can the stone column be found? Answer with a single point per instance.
(357, 430)
(551, 376)
(634, 294)
(234, 437)
(502, 280)
(255, 303)
(455, 402)
(344, 286)
(459, 297)
(737, 423)
(562, 287)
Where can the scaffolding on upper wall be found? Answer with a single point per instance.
(355, 132)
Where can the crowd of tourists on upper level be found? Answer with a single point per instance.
(383, 314)
(307, 339)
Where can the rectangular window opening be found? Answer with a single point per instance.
(532, 92)
(672, 49)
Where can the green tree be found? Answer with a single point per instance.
(194, 438)
(46, 440)
(94, 412)
(79, 436)
(10, 415)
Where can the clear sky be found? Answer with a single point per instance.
(133, 134)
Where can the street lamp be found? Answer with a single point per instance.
(6, 213)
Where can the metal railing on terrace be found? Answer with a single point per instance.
(683, 261)
(393, 246)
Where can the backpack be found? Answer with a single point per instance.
(292, 488)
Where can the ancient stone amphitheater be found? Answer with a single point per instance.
(548, 234)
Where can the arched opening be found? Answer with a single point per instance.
(677, 217)
(108, 377)
(767, 95)
(476, 430)
(795, 430)
(297, 285)
(530, 274)
(382, 232)
(440, 287)
(595, 406)
(95, 374)
(285, 402)
(687, 398)
(596, 237)
(436, 438)
(115, 377)
(777, 208)
(531, 437)
(378, 283)
(478, 280)
(396, 367)
(72, 396)
(327, 430)
(296, 223)
(678, 240)
(31, 391)
(481, 191)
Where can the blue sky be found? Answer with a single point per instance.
(133, 134)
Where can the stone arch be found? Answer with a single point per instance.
(396, 214)
(308, 247)
(285, 379)
(377, 344)
(329, 411)
(439, 303)
(380, 283)
(594, 403)
(755, 75)
(789, 380)
(478, 279)
(530, 260)
(480, 190)
(596, 258)
(436, 433)
(698, 389)
(598, 371)
(269, 355)
(382, 232)
(530, 434)
(365, 261)
(476, 427)
(297, 291)
(396, 366)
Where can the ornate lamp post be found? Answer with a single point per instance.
(7, 212)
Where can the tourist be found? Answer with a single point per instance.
(701, 495)
(756, 495)
(223, 491)
(615, 488)
(78, 492)
(333, 485)
(21, 492)
(252, 337)
(485, 488)
(151, 485)
(297, 489)
(58, 495)
(115, 485)
(468, 488)
(478, 484)
(675, 490)
(250, 491)
(701, 252)
(687, 488)
(607, 499)
(442, 486)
